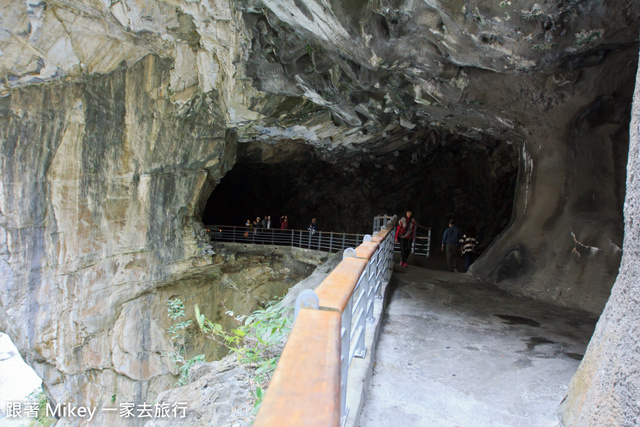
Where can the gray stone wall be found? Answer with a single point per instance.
(117, 121)
(100, 186)
(605, 390)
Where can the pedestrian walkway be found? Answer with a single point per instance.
(455, 352)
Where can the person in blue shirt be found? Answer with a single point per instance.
(450, 242)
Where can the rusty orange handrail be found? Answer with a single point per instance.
(303, 390)
(310, 358)
(334, 292)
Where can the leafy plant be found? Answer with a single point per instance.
(37, 396)
(585, 37)
(309, 48)
(175, 307)
(255, 341)
(176, 310)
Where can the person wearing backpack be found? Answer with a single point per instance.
(405, 233)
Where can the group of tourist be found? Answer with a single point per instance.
(266, 222)
(284, 223)
(454, 241)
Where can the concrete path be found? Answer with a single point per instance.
(454, 352)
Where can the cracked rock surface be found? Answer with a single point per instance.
(119, 118)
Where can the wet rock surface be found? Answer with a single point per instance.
(88, 231)
(456, 352)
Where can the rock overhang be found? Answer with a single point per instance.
(369, 66)
(275, 80)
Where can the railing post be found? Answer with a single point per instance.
(344, 359)
(372, 273)
(387, 258)
(306, 299)
(361, 328)
(413, 242)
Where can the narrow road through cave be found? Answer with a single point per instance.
(455, 352)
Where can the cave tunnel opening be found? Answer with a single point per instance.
(471, 181)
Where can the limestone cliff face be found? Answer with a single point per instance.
(117, 119)
(101, 180)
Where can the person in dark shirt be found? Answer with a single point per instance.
(450, 242)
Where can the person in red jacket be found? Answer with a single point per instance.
(405, 232)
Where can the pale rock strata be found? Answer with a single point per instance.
(117, 119)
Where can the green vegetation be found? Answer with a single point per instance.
(544, 46)
(585, 37)
(38, 397)
(175, 308)
(309, 48)
(255, 341)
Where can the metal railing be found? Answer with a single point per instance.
(421, 240)
(309, 386)
(328, 241)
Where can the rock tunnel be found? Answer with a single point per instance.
(437, 176)
(124, 127)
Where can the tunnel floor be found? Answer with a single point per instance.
(455, 352)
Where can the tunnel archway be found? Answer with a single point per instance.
(453, 177)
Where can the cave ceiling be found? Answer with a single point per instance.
(119, 119)
(349, 78)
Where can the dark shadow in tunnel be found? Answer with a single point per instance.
(471, 181)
